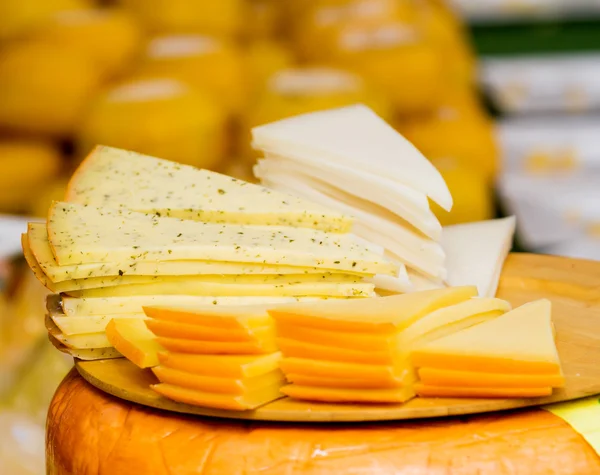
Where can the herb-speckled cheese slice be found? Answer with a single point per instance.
(38, 253)
(81, 234)
(121, 179)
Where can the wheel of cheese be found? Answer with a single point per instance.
(91, 433)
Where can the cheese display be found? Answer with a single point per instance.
(190, 193)
(513, 355)
(349, 159)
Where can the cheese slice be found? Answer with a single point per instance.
(86, 276)
(231, 318)
(411, 248)
(315, 393)
(90, 354)
(118, 305)
(349, 383)
(231, 366)
(520, 341)
(202, 287)
(79, 234)
(471, 379)
(199, 332)
(475, 253)
(421, 282)
(384, 314)
(208, 347)
(247, 401)
(449, 320)
(383, 194)
(335, 369)
(291, 347)
(85, 341)
(87, 323)
(424, 390)
(354, 136)
(134, 341)
(214, 384)
(115, 178)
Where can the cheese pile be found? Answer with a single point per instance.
(223, 357)
(351, 160)
(360, 351)
(511, 356)
(138, 231)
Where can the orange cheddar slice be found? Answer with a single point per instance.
(201, 332)
(520, 341)
(424, 390)
(313, 393)
(215, 384)
(234, 317)
(245, 402)
(351, 383)
(382, 315)
(207, 347)
(301, 349)
(134, 341)
(235, 367)
(334, 369)
(470, 379)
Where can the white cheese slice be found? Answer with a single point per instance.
(354, 136)
(399, 200)
(38, 253)
(121, 179)
(421, 282)
(412, 249)
(475, 253)
(118, 305)
(81, 234)
(289, 288)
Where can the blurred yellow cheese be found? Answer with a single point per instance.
(53, 190)
(110, 37)
(18, 16)
(163, 118)
(219, 17)
(472, 194)
(44, 89)
(263, 18)
(263, 59)
(207, 63)
(26, 166)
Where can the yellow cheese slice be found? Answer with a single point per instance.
(118, 305)
(201, 287)
(424, 390)
(354, 136)
(230, 317)
(248, 401)
(122, 179)
(79, 234)
(211, 347)
(134, 341)
(199, 332)
(214, 384)
(520, 341)
(86, 324)
(472, 379)
(292, 347)
(475, 253)
(350, 383)
(315, 393)
(385, 314)
(86, 276)
(233, 366)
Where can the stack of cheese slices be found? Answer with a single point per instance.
(352, 161)
(138, 231)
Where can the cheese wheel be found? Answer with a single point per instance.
(91, 433)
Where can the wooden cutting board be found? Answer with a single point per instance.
(572, 285)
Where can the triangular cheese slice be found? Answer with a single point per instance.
(475, 253)
(80, 234)
(121, 179)
(520, 341)
(355, 136)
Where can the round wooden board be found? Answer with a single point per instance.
(572, 286)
